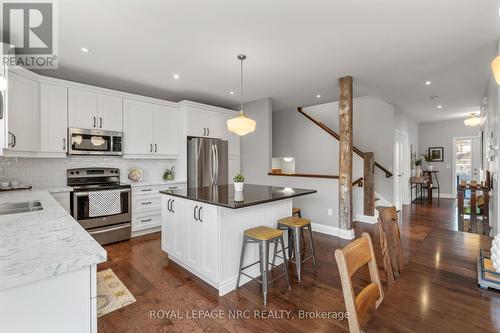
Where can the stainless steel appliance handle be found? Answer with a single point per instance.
(1, 105)
(84, 194)
(212, 164)
(194, 213)
(124, 226)
(199, 214)
(216, 165)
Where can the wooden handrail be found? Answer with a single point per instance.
(327, 129)
(305, 175)
(358, 182)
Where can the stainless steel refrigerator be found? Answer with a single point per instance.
(207, 162)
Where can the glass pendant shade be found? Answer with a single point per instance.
(495, 67)
(472, 121)
(241, 125)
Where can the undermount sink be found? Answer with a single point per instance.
(20, 207)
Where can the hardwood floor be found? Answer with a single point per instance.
(161, 286)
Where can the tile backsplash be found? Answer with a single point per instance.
(51, 173)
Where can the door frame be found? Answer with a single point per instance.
(453, 160)
(402, 167)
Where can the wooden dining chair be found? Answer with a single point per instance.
(349, 259)
(390, 242)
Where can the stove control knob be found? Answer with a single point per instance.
(71, 172)
(78, 172)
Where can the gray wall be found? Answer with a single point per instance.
(256, 147)
(440, 134)
(316, 152)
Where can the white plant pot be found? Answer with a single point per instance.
(238, 196)
(238, 187)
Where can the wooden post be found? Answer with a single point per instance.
(369, 185)
(345, 152)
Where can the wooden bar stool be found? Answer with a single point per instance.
(295, 226)
(296, 212)
(263, 236)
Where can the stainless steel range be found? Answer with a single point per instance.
(86, 183)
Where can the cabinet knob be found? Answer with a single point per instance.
(194, 213)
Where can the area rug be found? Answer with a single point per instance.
(111, 293)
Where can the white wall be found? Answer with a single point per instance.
(256, 147)
(491, 127)
(408, 125)
(440, 134)
(51, 173)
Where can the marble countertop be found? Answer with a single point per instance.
(225, 196)
(41, 244)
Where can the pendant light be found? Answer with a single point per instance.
(495, 67)
(241, 125)
(472, 121)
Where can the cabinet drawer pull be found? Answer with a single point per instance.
(208, 131)
(148, 190)
(199, 214)
(146, 203)
(64, 144)
(173, 188)
(156, 148)
(194, 213)
(147, 220)
(94, 122)
(172, 206)
(100, 122)
(13, 140)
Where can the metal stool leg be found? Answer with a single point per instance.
(290, 242)
(285, 263)
(298, 262)
(275, 252)
(243, 246)
(312, 248)
(264, 259)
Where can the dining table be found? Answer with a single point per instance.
(438, 289)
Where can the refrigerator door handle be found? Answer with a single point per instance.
(216, 165)
(212, 162)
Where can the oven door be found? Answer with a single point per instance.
(80, 211)
(93, 142)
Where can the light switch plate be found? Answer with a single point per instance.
(330, 212)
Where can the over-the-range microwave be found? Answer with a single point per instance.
(94, 142)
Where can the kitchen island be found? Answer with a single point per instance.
(202, 228)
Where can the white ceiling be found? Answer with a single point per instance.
(296, 49)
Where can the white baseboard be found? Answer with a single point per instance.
(444, 195)
(366, 218)
(333, 231)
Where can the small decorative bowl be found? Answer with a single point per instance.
(135, 174)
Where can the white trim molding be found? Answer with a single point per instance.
(366, 218)
(333, 231)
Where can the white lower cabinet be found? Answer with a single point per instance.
(190, 235)
(146, 207)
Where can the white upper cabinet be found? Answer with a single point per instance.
(23, 113)
(203, 123)
(83, 107)
(165, 129)
(110, 113)
(91, 110)
(150, 130)
(232, 139)
(137, 123)
(54, 118)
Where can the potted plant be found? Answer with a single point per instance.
(428, 160)
(418, 167)
(239, 181)
(169, 174)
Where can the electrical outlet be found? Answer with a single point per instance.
(330, 212)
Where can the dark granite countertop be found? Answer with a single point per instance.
(225, 196)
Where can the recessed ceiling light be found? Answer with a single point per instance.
(440, 107)
(231, 92)
(84, 49)
(434, 98)
(176, 76)
(428, 83)
(318, 96)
